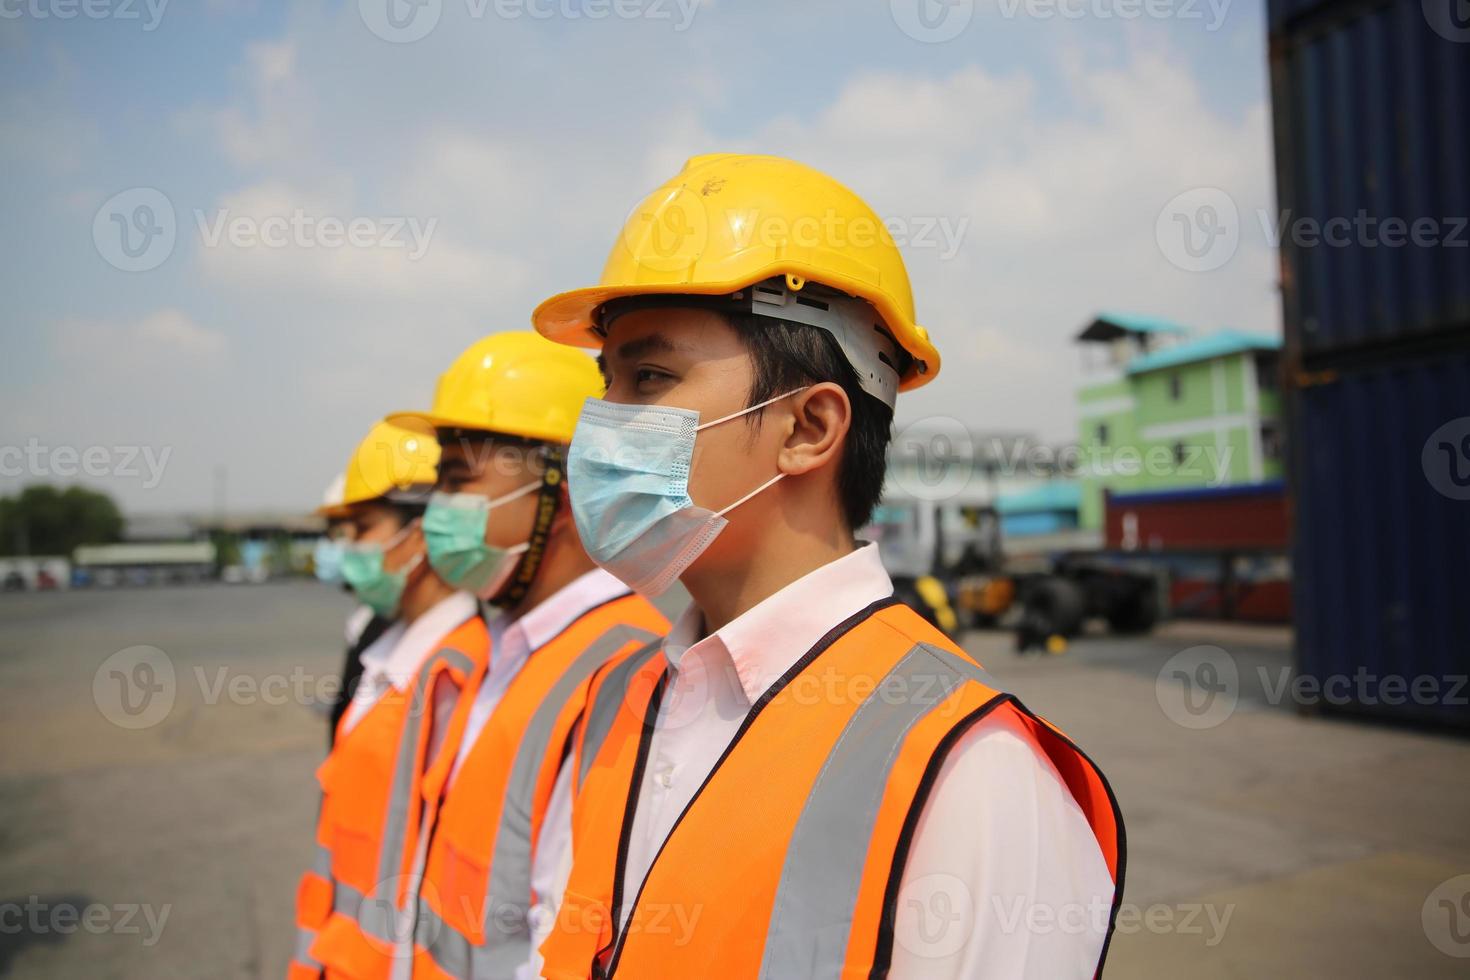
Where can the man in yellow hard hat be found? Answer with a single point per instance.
(499, 526)
(398, 734)
(808, 779)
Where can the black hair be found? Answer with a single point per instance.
(408, 510)
(786, 356)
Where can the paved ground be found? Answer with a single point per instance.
(1269, 845)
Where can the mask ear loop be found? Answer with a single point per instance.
(517, 494)
(771, 482)
(747, 411)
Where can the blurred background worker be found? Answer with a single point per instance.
(500, 527)
(808, 758)
(398, 734)
(363, 626)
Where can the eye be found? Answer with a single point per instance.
(650, 375)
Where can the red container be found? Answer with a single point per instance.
(1244, 518)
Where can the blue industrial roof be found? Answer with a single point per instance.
(1218, 344)
(1110, 326)
(1060, 495)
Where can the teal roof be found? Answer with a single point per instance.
(1111, 326)
(1222, 343)
(1060, 495)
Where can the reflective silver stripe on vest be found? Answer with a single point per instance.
(346, 901)
(376, 915)
(812, 916)
(400, 796)
(321, 865)
(604, 709)
(449, 949)
(304, 939)
(508, 892)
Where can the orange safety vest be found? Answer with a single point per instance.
(374, 787)
(788, 861)
(476, 891)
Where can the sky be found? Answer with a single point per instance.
(237, 233)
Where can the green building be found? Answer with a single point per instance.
(1161, 408)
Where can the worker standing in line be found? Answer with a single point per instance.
(808, 779)
(499, 526)
(363, 626)
(400, 731)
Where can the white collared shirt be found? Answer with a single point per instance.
(394, 659)
(512, 641)
(1000, 828)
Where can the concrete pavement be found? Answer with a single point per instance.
(1268, 845)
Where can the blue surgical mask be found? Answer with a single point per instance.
(326, 560)
(376, 587)
(628, 479)
(454, 531)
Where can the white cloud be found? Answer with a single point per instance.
(285, 238)
(160, 339)
(1060, 209)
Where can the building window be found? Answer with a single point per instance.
(1271, 443)
(1267, 366)
(1176, 387)
(1180, 451)
(1102, 433)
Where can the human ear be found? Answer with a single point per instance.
(820, 418)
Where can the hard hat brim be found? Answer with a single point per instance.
(568, 318)
(433, 421)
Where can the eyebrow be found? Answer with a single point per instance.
(654, 343)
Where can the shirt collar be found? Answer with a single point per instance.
(408, 646)
(540, 625)
(766, 640)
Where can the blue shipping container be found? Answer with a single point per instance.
(1371, 103)
(1382, 538)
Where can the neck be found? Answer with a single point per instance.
(780, 549)
(425, 591)
(564, 562)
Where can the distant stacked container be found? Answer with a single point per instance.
(1372, 119)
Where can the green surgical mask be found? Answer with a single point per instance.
(376, 587)
(454, 530)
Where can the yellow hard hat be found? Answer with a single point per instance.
(392, 460)
(514, 383)
(728, 221)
